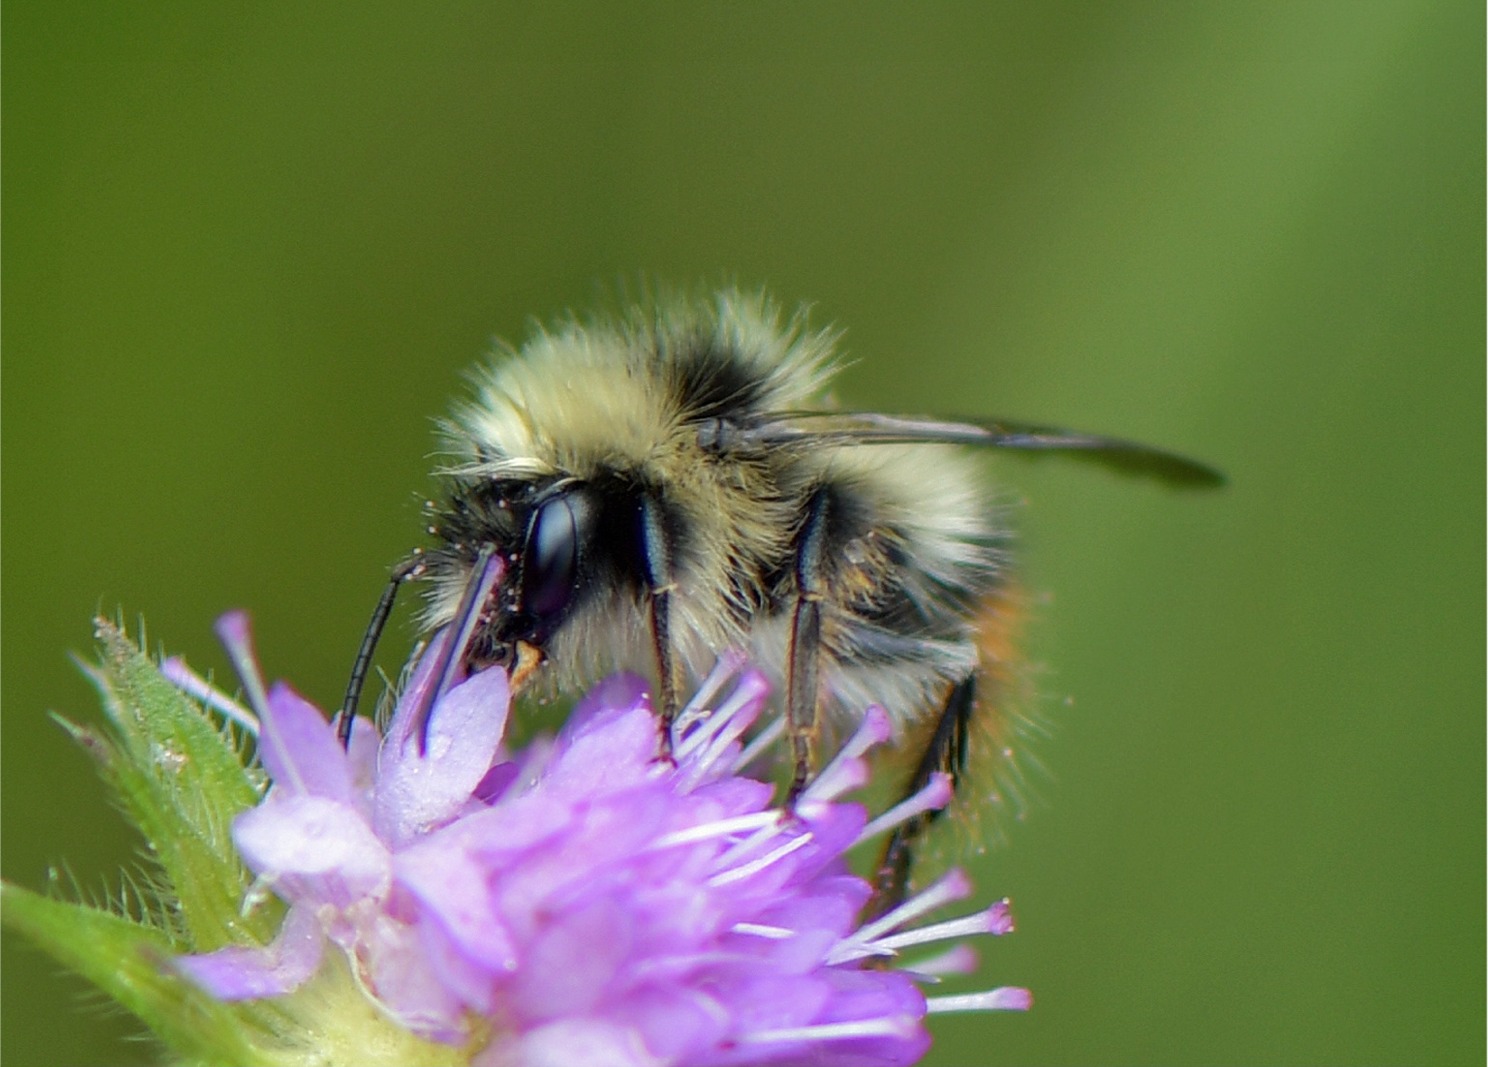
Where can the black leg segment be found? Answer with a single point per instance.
(656, 551)
(802, 688)
(946, 752)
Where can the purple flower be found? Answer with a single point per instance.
(580, 900)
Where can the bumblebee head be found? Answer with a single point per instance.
(546, 532)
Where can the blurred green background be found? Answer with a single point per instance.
(249, 250)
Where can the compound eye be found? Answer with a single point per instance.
(550, 560)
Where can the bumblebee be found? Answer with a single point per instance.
(671, 485)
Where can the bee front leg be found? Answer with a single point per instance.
(657, 562)
(802, 689)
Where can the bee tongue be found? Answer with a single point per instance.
(483, 578)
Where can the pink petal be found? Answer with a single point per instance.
(299, 748)
(613, 751)
(453, 890)
(240, 973)
(418, 792)
(573, 960)
(411, 981)
(591, 1042)
(313, 849)
(612, 695)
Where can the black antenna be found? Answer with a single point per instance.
(408, 569)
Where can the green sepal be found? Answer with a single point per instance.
(180, 778)
(129, 960)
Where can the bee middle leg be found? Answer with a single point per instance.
(945, 753)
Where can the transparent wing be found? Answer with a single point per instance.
(828, 428)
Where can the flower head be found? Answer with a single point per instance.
(431, 894)
(583, 900)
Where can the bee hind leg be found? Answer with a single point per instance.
(945, 753)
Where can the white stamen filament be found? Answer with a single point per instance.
(194, 685)
(874, 729)
(745, 870)
(717, 828)
(983, 922)
(958, 959)
(763, 836)
(953, 886)
(254, 896)
(232, 631)
(700, 735)
(733, 722)
(724, 668)
(898, 1026)
(1003, 998)
(935, 795)
(751, 844)
(773, 933)
(762, 740)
